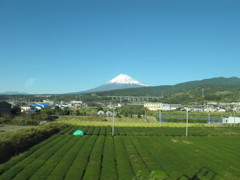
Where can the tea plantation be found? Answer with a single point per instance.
(133, 153)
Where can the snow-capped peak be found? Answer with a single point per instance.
(125, 79)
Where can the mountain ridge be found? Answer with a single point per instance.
(122, 81)
(168, 89)
(218, 89)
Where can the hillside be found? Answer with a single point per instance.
(169, 89)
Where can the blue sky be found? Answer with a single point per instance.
(67, 46)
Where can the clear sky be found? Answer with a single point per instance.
(55, 46)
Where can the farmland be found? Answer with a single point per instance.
(134, 152)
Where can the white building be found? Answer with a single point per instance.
(231, 119)
(76, 103)
(210, 109)
(153, 106)
(166, 107)
(174, 107)
(221, 110)
(28, 108)
(100, 113)
(48, 102)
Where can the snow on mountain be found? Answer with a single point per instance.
(122, 81)
(125, 79)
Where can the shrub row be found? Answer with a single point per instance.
(108, 130)
(21, 140)
(158, 131)
(230, 159)
(70, 130)
(65, 164)
(150, 161)
(124, 167)
(90, 130)
(30, 169)
(135, 158)
(96, 131)
(108, 162)
(93, 168)
(51, 163)
(166, 150)
(129, 157)
(145, 154)
(67, 130)
(102, 131)
(78, 167)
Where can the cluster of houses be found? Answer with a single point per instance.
(34, 107)
(5, 108)
(71, 104)
(160, 106)
(210, 107)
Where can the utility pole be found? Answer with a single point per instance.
(145, 115)
(160, 116)
(234, 117)
(107, 117)
(209, 119)
(113, 124)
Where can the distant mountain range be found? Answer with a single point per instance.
(122, 81)
(12, 93)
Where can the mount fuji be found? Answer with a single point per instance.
(122, 81)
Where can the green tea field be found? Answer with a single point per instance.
(133, 153)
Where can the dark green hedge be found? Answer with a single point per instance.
(19, 141)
